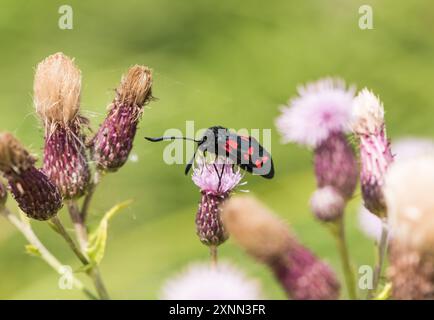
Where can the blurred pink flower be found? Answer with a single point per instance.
(201, 281)
(321, 108)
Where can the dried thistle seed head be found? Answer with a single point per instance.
(57, 87)
(135, 87)
(31, 188)
(408, 193)
(3, 195)
(114, 140)
(255, 228)
(13, 156)
(327, 204)
(368, 113)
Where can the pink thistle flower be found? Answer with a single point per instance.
(321, 108)
(319, 118)
(216, 182)
(202, 281)
(375, 152)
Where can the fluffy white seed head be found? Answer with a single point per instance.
(409, 191)
(201, 281)
(368, 113)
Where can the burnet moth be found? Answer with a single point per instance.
(244, 151)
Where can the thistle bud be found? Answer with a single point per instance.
(31, 188)
(408, 195)
(327, 204)
(336, 165)
(375, 152)
(57, 89)
(3, 195)
(267, 238)
(114, 139)
(216, 182)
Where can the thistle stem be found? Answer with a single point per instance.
(89, 195)
(45, 254)
(62, 231)
(381, 254)
(214, 255)
(338, 231)
(81, 232)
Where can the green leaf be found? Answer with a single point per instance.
(385, 293)
(98, 238)
(32, 250)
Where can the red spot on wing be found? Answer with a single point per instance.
(258, 163)
(231, 144)
(264, 159)
(250, 150)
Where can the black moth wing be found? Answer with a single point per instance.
(247, 153)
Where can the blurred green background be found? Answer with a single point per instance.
(215, 62)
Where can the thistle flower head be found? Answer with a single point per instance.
(327, 204)
(57, 87)
(219, 177)
(31, 188)
(57, 100)
(321, 108)
(201, 281)
(255, 228)
(114, 140)
(216, 181)
(408, 193)
(368, 113)
(267, 238)
(13, 156)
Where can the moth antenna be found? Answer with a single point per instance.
(157, 139)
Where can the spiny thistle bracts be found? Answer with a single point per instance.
(375, 152)
(35, 194)
(114, 140)
(57, 88)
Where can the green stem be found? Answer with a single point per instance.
(338, 231)
(45, 254)
(81, 232)
(88, 198)
(214, 255)
(381, 254)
